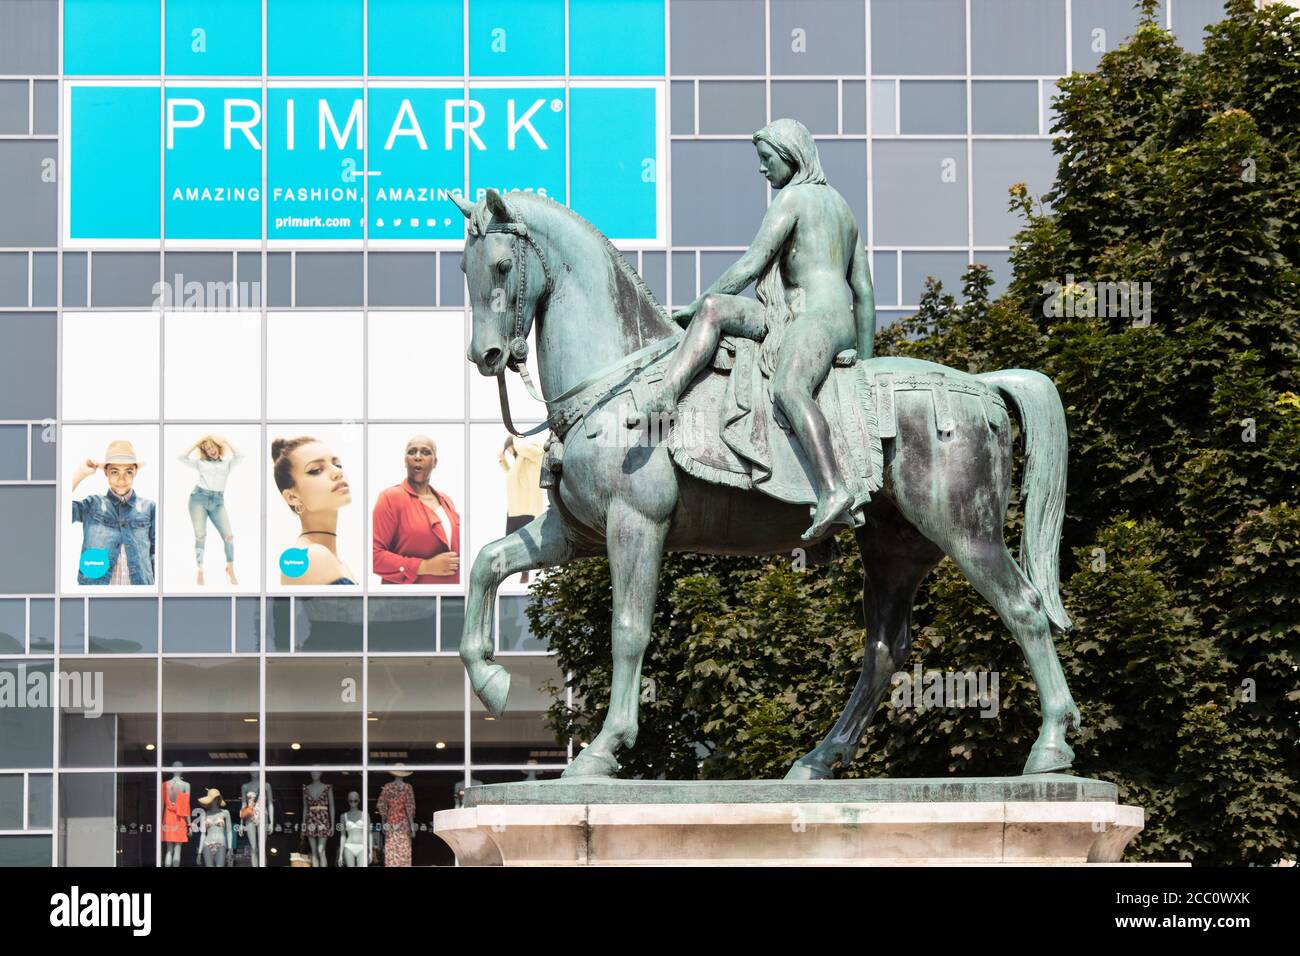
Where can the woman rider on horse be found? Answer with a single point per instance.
(815, 300)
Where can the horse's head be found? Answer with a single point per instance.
(508, 279)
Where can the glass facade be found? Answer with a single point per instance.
(181, 337)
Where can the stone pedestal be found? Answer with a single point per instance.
(1045, 819)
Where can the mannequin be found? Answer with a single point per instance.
(218, 830)
(175, 816)
(318, 817)
(354, 847)
(396, 808)
(261, 819)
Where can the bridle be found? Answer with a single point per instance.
(565, 409)
(518, 346)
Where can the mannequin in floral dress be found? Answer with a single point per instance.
(317, 817)
(396, 808)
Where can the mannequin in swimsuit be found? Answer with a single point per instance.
(252, 827)
(354, 848)
(216, 830)
(314, 790)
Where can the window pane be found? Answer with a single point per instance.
(730, 106)
(210, 711)
(72, 626)
(108, 713)
(328, 624)
(313, 711)
(514, 630)
(997, 166)
(829, 39)
(814, 102)
(11, 801)
(884, 278)
(932, 106)
(1191, 17)
(417, 710)
(107, 819)
(123, 625)
(453, 623)
(40, 625)
(884, 107)
(196, 625)
(403, 624)
(27, 732)
(13, 626)
(25, 851)
(40, 800)
(918, 36)
(1097, 27)
(920, 193)
(1017, 36)
(998, 107)
(278, 623)
(248, 625)
(947, 267)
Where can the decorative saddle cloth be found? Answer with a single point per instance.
(749, 445)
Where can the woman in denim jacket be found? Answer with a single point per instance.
(208, 499)
(120, 524)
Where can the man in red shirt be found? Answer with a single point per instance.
(415, 534)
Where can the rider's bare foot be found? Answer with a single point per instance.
(832, 509)
(199, 579)
(230, 574)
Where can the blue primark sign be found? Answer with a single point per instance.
(328, 162)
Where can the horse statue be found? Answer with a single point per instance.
(942, 445)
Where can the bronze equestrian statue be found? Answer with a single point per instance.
(916, 457)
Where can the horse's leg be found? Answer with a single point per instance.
(895, 559)
(988, 564)
(982, 555)
(540, 543)
(955, 492)
(635, 544)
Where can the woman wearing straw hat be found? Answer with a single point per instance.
(218, 833)
(120, 524)
(208, 499)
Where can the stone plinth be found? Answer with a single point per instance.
(1040, 819)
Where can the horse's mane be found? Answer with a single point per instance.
(481, 216)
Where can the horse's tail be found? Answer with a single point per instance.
(1042, 419)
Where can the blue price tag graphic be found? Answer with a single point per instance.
(94, 563)
(293, 562)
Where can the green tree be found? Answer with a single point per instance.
(1180, 557)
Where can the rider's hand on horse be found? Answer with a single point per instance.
(684, 315)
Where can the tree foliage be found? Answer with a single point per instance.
(1181, 552)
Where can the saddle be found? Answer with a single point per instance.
(728, 431)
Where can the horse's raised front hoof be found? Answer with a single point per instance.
(1049, 758)
(805, 769)
(591, 764)
(495, 689)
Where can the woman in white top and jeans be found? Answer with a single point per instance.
(208, 499)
